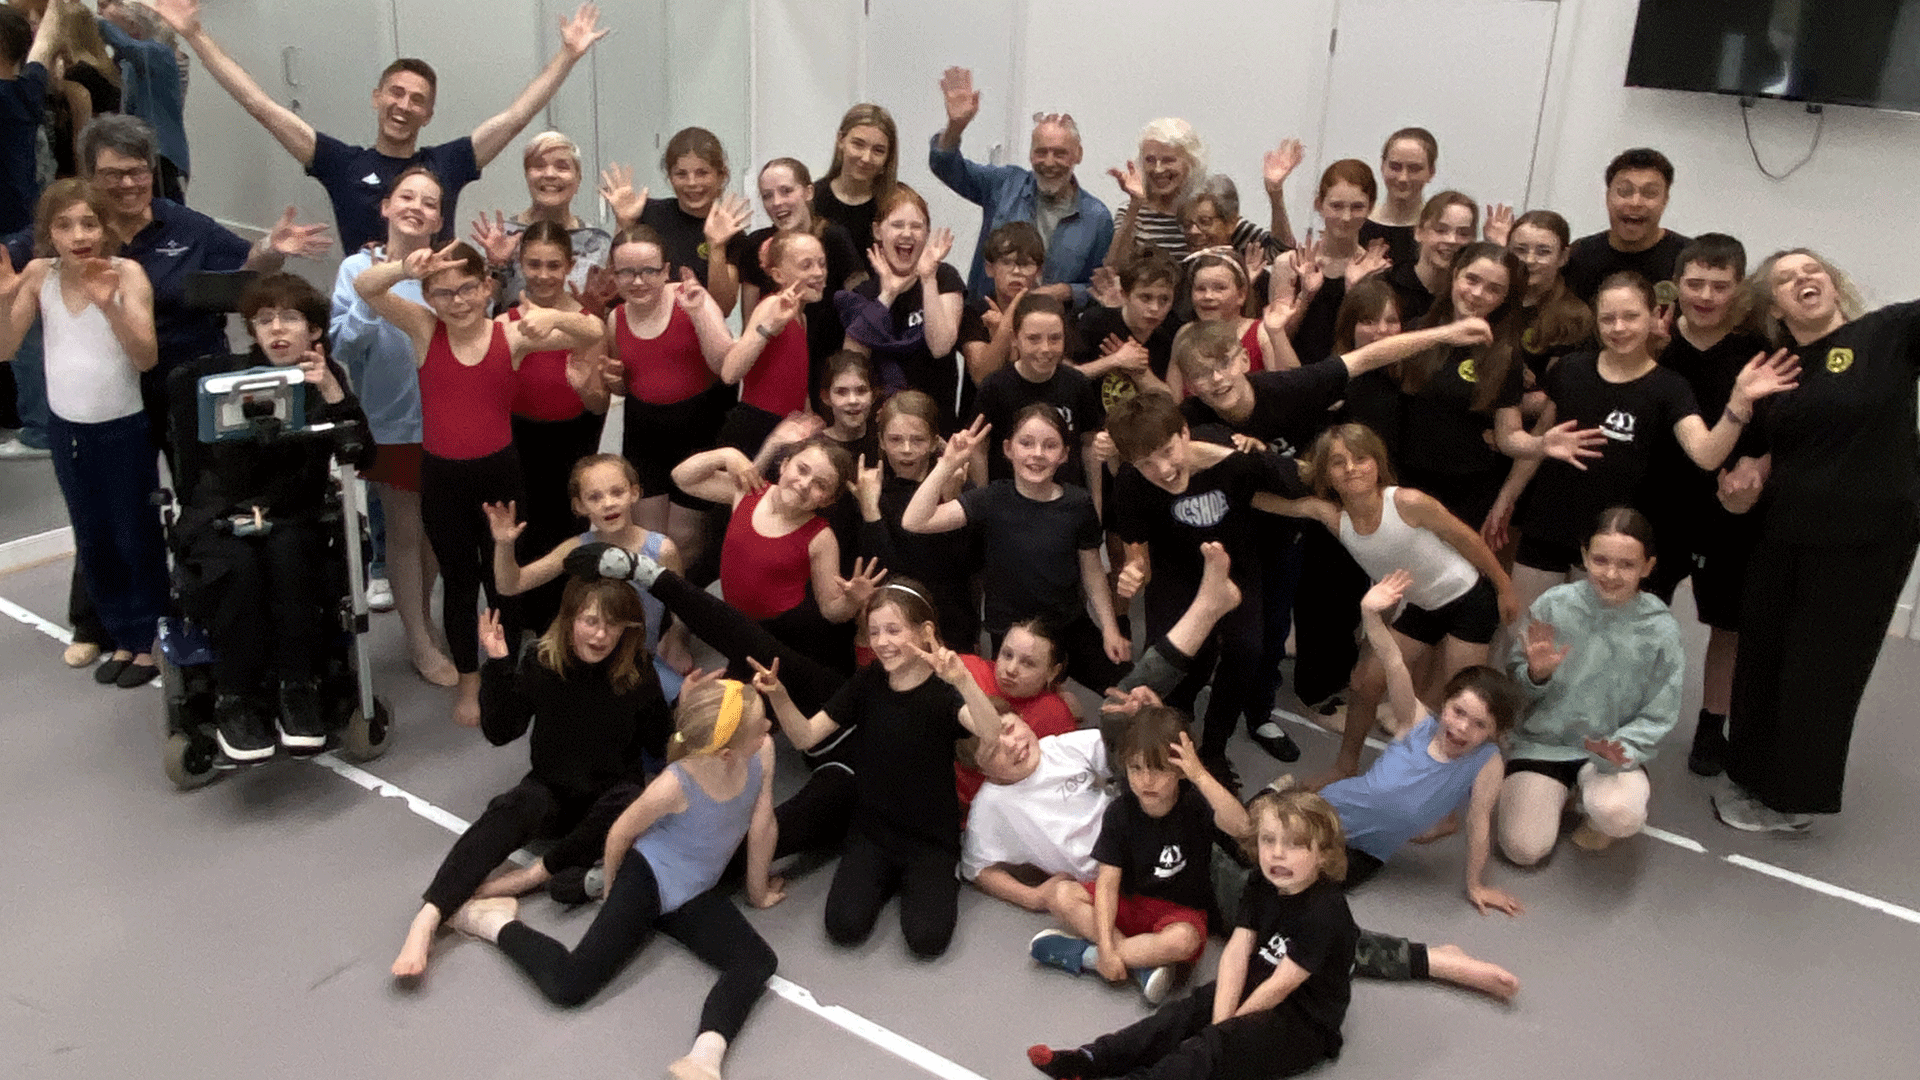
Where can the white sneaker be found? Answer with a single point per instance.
(380, 595)
(15, 450)
(1737, 808)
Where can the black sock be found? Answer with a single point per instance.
(1061, 1064)
(1713, 720)
(1417, 961)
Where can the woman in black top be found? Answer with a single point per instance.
(1407, 162)
(1447, 223)
(1838, 533)
(1346, 196)
(866, 163)
(1556, 321)
(601, 716)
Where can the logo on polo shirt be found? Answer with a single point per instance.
(1467, 373)
(1839, 360)
(1275, 950)
(172, 249)
(371, 179)
(1172, 861)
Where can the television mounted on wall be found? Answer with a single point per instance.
(1832, 52)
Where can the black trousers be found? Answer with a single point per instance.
(263, 601)
(548, 450)
(1181, 1042)
(872, 871)
(451, 495)
(1230, 661)
(708, 925)
(1326, 616)
(530, 810)
(738, 638)
(1812, 623)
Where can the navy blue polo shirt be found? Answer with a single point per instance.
(177, 242)
(357, 179)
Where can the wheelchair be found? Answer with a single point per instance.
(215, 400)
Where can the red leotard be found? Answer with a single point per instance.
(777, 382)
(545, 393)
(467, 412)
(667, 369)
(1256, 356)
(764, 576)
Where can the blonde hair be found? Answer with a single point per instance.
(1304, 818)
(700, 711)
(1759, 293)
(1180, 135)
(547, 142)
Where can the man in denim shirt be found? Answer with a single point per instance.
(1076, 227)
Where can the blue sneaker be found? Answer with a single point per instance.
(1057, 948)
(1155, 983)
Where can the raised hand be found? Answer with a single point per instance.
(796, 427)
(493, 637)
(1127, 702)
(1253, 256)
(1386, 593)
(294, 240)
(1499, 223)
(1767, 375)
(493, 240)
(1105, 287)
(503, 521)
(1370, 261)
(616, 188)
(993, 317)
(891, 284)
(867, 576)
(765, 679)
(1278, 163)
(577, 34)
(313, 366)
(100, 281)
(1184, 758)
(1470, 330)
(746, 479)
(961, 443)
(1306, 264)
(425, 262)
(598, 293)
(945, 663)
(691, 295)
(865, 486)
(183, 16)
(1279, 308)
(782, 308)
(585, 367)
(1132, 184)
(939, 245)
(963, 101)
(726, 219)
(1544, 655)
(1573, 445)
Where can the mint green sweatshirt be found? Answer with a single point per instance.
(1621, 679)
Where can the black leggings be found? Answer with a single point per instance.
(1230, 660)
(708, 925)
(1181, 1042)
(738, 638)
(530, 810)
(548, 450)
(262, 599)
(871, 872)
(451, 495)
(1326, 617)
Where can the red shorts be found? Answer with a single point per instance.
(396, 465)
(1146, 915)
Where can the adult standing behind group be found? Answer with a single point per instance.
(552, 165)
(357, 178)
(1075, 227)
(1639, 182)
(154, 79)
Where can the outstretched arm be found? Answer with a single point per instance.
(285, 125)
(1373, 608)
(577, 35)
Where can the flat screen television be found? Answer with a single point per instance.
(1840, 52)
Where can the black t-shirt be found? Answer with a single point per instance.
(917, 368)
(1314, 339)
(903, 757)
(857, 220)
(1694, 493)
(1414, 296)
(1846, 456)
(1402, 247)
(1593, 258)
(1374, 399)
(1006, 392)
(1637, 417)
(1314, 929)
(1217, 505)
(1442, 432)
(1289, 407)
(1540, 357)
(683, 238)
(942, 561)
(1032, 549)
(1163, 858)
(1096, 324)
(825, 335)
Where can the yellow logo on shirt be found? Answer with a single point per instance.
(1839, 360)
(1467, 373)
(1530, 339)
(704, 250)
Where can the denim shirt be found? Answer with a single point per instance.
(1010, 193)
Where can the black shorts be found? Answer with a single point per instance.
(1473, 618)
(1551, 556)
(1567, 773)
(1720, 560)
(658, 437)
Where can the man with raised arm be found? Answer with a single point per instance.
(357, 177)
(1076, 228)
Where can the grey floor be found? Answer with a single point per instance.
(246, 929)
(29, 499)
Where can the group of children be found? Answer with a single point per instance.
(1334, 448)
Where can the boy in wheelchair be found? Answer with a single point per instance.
(253, 538)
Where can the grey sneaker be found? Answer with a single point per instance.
(1155, 983)
(1737, 808)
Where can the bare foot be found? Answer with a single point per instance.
(81, 654)
(412, 960)
(1217, 589)
(434, 667)
(516, 882)
(483, 918)
(466, 708)
(688, 1068)
(1588, 838)
(1450, 963)
(1339, 771)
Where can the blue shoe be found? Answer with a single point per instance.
(1057, 948)
(1155, 983)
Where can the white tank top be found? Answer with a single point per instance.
(90, 378)
(1441, 575)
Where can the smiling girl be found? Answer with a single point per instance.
(769, 361)
(906, 317)
(860, 180)
(786, 194)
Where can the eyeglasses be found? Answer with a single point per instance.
(469, 291)
(627, 275)
(116, 177)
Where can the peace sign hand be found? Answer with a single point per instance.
(945, 663)
(493, 637)
(424, 263)
(767, 679)
(782, 308)
(961, 443)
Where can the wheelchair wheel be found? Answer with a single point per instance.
(366, 737)
(189, 760)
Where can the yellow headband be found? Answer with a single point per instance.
(731, 706)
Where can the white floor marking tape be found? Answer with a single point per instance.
(884, 1038)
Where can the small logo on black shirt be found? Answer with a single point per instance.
(1467, 373)
(1839, 360)
(1275, 950)
(1618, 426)
(371, 179)
(1171, 862)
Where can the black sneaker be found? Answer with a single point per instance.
(569, 886)
(1272, 738)
(1708, 756)
(301, 727)
(245, 731)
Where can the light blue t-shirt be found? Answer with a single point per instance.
(1406, 792)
